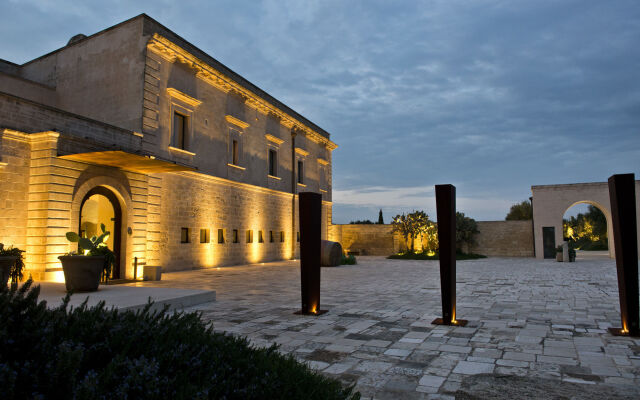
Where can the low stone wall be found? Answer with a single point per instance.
(372, 240)
(504, 239)
(496, 239)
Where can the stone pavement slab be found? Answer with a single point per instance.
(127, 297)
(532, 323)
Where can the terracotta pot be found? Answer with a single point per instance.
(6, 262)
(559, 257)
(82, 273)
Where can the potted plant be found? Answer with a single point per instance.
(572, 251)
(559, 252)
(83, 269)
(11, 264)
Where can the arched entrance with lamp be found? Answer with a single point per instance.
(101, 206)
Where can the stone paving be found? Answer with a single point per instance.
(527, 318)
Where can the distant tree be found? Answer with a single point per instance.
(520, 211)
(363, 222)
(413, 225)
(380, 219)
(466, 228)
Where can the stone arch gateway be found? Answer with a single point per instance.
(550, 202)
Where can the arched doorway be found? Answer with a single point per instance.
(550, 202)
(101, 206)
(585, 226)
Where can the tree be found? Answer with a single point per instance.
(413, 225)
(520, 211)
(380, 219)
(466, 228)
(363, 222)
(589, 231)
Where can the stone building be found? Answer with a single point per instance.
(187, 163)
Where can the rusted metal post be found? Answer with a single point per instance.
(622, 195)
(310, 211)
(446, 212)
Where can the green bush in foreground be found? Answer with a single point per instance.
(424, 256)
(96, 353)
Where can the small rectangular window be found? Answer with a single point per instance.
(235, 153)
(249, 236)
(273, 162)
(184, 235)
(260, 238)
(281, 236)
(235, 236)
(220, 235)
(204, 236)
(300, 172)
(298, 237)
(179, 131)
(270, 236)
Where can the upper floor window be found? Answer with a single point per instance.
(182, 111)
(273, 145)
(273, 162)
(300, 171)
(180, 130)
(235, 152)
(235, 155)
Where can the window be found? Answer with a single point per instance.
(273, 162)
(235, 236)
(249, 236)
(184, 235)
(235, 153)
(281, 236)
(260, 237)
(179, 131)
(220, 235)
(323, 178)
(300, 171)
(270, 236)
(204, 236)
(298, 237)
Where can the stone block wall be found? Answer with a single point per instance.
(496, 239)
(374, 240)
(504, 239)
(196, 202)
(15, 154)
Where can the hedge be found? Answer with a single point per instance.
(99, 353)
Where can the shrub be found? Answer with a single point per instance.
(348, 260)
(96, 353)
(466, 228)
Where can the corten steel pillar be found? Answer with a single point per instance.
(446, 211)
(310, 211)
(625, 237)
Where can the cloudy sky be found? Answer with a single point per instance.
(491, 96)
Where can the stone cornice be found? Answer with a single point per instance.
(274, 139)
(185, 98)
(238, 122)
(323, 161)
(302, 152)
(29, 137)
(172, 52)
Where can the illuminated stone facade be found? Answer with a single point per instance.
(187, 146)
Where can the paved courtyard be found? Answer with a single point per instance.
(537, 329)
